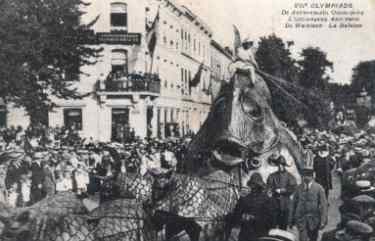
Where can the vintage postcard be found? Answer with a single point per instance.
(124, 120)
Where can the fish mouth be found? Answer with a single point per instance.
(228, 151)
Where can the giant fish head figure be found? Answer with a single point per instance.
(241, 127)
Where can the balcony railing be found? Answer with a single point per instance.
(121, 82)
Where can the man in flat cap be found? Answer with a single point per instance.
(282, 185)
(309, 211)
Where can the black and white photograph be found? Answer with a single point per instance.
(187, 120)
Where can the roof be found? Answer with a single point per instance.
(221, 49)
(190, 15)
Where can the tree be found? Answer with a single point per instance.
(274, 57)
(341, 95)
(41, 46)
(363, 77)
(289, 98)
(314, 66)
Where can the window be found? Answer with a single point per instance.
(119, 16)
(186, 44)
(186, 82)
(189, 78)
(182, 40)
(186, 77)
(3, 114)
(182, 81)
(73, 118)
(119, 61)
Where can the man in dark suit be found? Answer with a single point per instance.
(254, 212)
(323, 165)
(310, 205)
(37, 178)
(282, 184)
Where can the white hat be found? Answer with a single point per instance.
(364, 185)
(279, 235)
(363, 199)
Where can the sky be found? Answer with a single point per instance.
(254, 18)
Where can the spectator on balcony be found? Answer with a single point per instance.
(123, 79)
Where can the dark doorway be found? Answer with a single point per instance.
(120, 124)
(150, 115)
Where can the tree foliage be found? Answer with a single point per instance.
(364, 77)
(274, 57)
(313, 68)
(41, 51)
(290, 99)
(341, 95)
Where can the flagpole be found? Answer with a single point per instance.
(146, 63)
(154, 35)
(152, 63)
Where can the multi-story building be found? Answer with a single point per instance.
(220, 59)
(125, 94)
(133, 88)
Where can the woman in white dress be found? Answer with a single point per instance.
(82, 179)
(13, 195)
(25, 190)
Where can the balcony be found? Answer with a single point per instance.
(121, 84)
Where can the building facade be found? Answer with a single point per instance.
(132, 90)
(220, 59)
(10, 115)
(133, 87)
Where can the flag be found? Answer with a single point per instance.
(151, 35)
(197, 77)
(237, 39)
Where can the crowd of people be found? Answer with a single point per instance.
(281, 204)
(39, 162)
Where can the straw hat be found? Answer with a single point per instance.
(278, 235)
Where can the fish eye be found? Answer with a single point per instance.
(250, 107)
